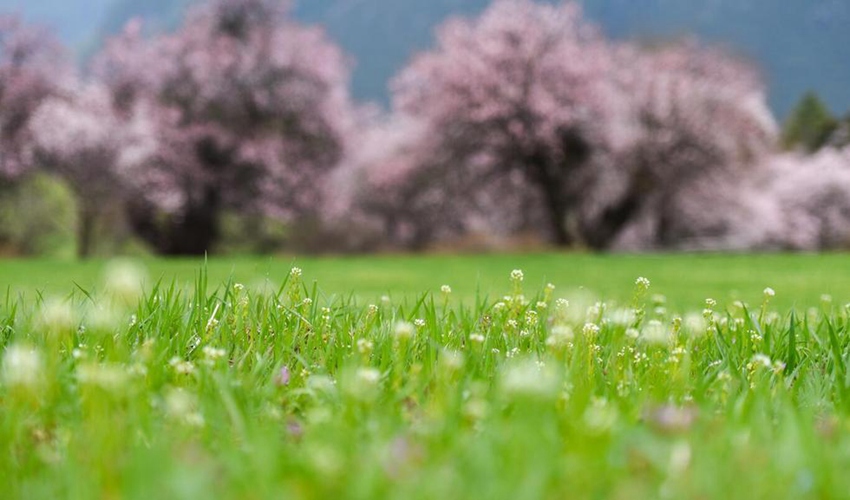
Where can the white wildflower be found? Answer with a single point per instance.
(404, 330)
(528, 379)
(600, 416)
(762, 360)
(182, 406)
(560, 336)
(125, 280)
(590, 330)
(655, 332)
(109, 377)
(182, 366)
(56, 316)
(22, 366)
(363, 384)
(364, 346)
(695, 324)
(213, 353)
(623, 317)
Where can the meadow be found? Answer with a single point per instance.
(687, 280)
(501, 376)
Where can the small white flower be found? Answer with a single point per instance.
(710, 303)
(531, 318)
(517, 275)
(369, 376)
(590, 329)
(295, 273)
(181, 366)
(695, 324)
(110, 378)
(560, 336)
(56, 316)
(529, 379)
(419, 323)
(238, 287)
(213, 353)
(562, 304)
(642, 283)
(624, 317)
(600, 416)
(364, 346)
(404, 330)
(22, 366)
(372, 309)
(446, 289)
(680, 458)
(655, 332)
(762, 360)
(769, 293)
(125, 280)
(182, 406)
(363, 384)
(451, 361)
(477, 338)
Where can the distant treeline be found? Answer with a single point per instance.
(237, 132)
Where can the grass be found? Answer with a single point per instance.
(687, 280)
(199, 387)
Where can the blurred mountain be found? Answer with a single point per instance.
(800, 45)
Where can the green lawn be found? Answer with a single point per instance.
(216, 390)
(687, 280)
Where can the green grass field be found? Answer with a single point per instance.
(367, 378)
(687, 280)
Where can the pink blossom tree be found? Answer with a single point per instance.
(252, 112)
(32, 64)
(401, 183)
(514, 104)
(700, 122)
(811, 196)
(78, 136)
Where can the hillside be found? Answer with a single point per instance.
(799, 44)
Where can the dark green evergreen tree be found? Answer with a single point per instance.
(810, 124)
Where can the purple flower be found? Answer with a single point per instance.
(282, 378)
